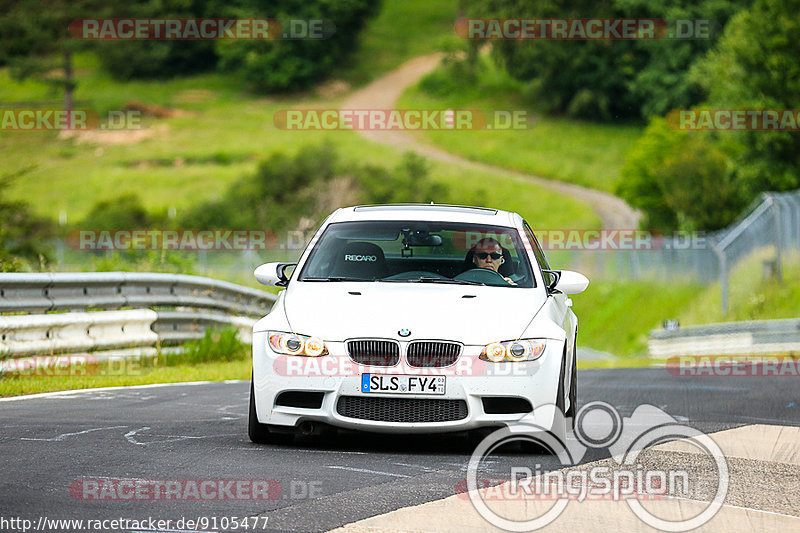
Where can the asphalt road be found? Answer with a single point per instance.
(198, 432)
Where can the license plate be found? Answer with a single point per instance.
(402, 384)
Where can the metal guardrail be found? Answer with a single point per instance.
(40, 293)
(76, 332)
(182, 308)
(758, 337)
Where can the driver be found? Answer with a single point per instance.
(488, 253)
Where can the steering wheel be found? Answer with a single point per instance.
(483, 275)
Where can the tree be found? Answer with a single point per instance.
(681, 180)
(663, 82)
(133, 59)
(755, 66)
(37, 44)
(294, 64)
(606, 79)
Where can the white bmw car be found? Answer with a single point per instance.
(415, 318)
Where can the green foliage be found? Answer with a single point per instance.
(287, 188)
(294, 64)
(123, 212)
(407, 183)
(147, 58)
(283, 189)
(600, 307)
(663, 82)
(171, 262)
(217, 345)
(23, 235)
(606, 79)
(35, 41)
(581, 78)
(698, 187)
(680, 180)
(755, 66)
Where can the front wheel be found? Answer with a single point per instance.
(258, 432)
(573, 389)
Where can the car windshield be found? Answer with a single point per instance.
(420, 252)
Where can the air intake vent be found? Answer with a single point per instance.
(305, 400)
(432, 353)
(408, 410)
(374, 352)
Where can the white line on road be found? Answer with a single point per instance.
(129, 436)
(364, 470)
(65, 435)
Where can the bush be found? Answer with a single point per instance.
(286, 189)
(131, 59)
(283, 189)
(123, 212)
(407, 183)
(680, 180)
(23, 235)
(290, 65)
(217, 345)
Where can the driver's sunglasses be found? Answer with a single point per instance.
(484, 255)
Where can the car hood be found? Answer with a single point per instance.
(474, 315)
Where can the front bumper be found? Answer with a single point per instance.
(469, 381)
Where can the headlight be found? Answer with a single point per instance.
(293, 344)
(519, 350)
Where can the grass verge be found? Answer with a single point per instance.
(216, 371)
(218, 356)
(586, 153)
(617, 317)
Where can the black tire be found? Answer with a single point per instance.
(561, 432)
(573, 389)
(260, 433)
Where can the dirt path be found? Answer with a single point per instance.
(384, 92)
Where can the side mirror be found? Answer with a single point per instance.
(273, 274)
(571, 282)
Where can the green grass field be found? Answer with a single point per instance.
(750, 297)
(222, 135)
(403, 29)
(585, 153)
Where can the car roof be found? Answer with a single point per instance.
(427, 212)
